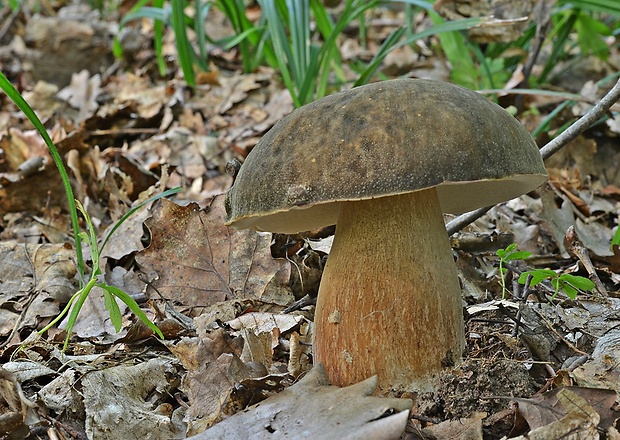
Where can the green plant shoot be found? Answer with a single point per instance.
(509, 254)
(569, 284)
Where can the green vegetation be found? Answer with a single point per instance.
(569, 284)
(299, 39)
(90, 238)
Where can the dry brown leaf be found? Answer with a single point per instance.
(213, 371)
(580, 422)
(199, 261)
(82, 94)
(469, 428)
(554, 406)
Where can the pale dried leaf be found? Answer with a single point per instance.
(314, 409)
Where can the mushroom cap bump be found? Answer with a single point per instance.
(382, 139)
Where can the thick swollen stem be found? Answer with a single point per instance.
(389, 302)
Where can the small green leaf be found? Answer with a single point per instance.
(518, 255)
(569, 290)
(509, 249)
(110, 305)
(523, 277)
(84, 237)
(616, 239)
(581, 283)
(538, 276)
(133, 306)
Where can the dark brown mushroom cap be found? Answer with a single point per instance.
(378, 140)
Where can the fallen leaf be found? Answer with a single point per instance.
(469, 428)
(120, 402)
(555, 405)
(314, 409)
(199, 261)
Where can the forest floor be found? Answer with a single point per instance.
(532, 362)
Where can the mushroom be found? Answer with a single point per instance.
(382, 162)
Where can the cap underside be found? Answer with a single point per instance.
(454, 197)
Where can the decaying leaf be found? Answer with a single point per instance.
(579, 422)
(582, 409)
(603, 369)
(214, 372)
(26, 269)
(314, 409)
(469, 428)
(199, 261)
(121, 402)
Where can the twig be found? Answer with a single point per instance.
(574, 246)
(549, 150)
(555, 332)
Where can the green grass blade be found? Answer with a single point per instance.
(94, 251)
(202, 10)
(154, 13)
(562, 29)
(75, 310)
(606, 6)
(420, 3)
(12, 93)
(111, 306)
(133, 306)
(464, 71)
(281, 47)
(184, 49)
(299, 27)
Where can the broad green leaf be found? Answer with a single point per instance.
(590, 33)
(581, 283)
(503, 252)
(569, 290)
(538, 276)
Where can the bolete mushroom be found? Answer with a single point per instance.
(382, 162)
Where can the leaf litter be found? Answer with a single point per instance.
(219, 292)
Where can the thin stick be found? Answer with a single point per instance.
(549, 150)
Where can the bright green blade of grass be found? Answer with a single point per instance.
(281, 47)
(299, 27)
(561, 31)
(464, 71)
(606, 6)
(202, 10)
(133, 306)
(184, 49)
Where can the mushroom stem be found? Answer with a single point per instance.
(389, 302)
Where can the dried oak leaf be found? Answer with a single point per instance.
(199, 261)
(560, 403)
(45, 271)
